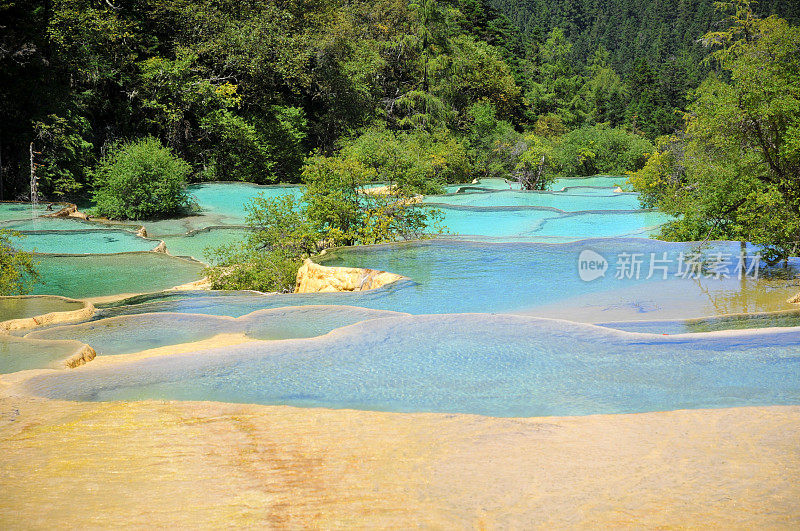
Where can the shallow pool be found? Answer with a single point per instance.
(31, 306)
(566, 201)
(198, 244)
(134, 333)
(101, 275)
(18, 354)
(489, 365)
(221, 203)
(454, 277)
(87, 241)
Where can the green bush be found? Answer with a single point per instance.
(240, 267)
(17, 269)
(600, 150)
(343, 212)
(141, 180)
(416, 162)
(335, 211)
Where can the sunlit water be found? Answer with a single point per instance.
(492, 365)
(507, 251)
(18, 354)
(23, 307)
(127, 334)
(87, 241)
(101, 275)
(455, 277)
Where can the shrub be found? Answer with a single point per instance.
(336, 211)
(239, 267)
(141, 180)
(17, 269)
(344, 213)
(600, 150)
(416, 162)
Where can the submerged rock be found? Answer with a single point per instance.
(82, 357)
(315, 278)
(49, 318)
(69, 210)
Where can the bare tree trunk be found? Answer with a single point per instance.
(540, 171)
(34, 184)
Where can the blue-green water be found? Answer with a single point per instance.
(221, 203)
(83, 242)
(101, 275)
(452, 347)
(21, 307)
(14, 211)
(198, 244)
(65, 224)
(134, 333)
(566, 201)
(18, 354)
(519, 224)
(491, 365)
(784, 319)
(456, 277)
(603, 181)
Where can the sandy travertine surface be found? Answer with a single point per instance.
(213, 465)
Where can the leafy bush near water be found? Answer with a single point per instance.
(17, 268)
(141, 180)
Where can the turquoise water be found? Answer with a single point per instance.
(459, 277)
(83, 242)
(492, 184)
(567, 201)
(221, 203)
(605, 181)
(490, 365)
(65, 224)
(535, 225)
(10, 211)
(20, 354)
(31, 306)
(790, 318)
(437, 341)
(506, 224)
(229, 199)
(605, 225)
(127, 334)
(196, 244)
(100, 275)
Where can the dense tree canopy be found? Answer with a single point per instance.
(416, 94)
(734, 173)
(246, 90)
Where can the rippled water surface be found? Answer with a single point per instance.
(455, 277)
(441, 339)
(101, 275)
(127, 334)
(492, 365)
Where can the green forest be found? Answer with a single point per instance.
(697, 100)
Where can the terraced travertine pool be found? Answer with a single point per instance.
(489, 365)
(489, 319)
